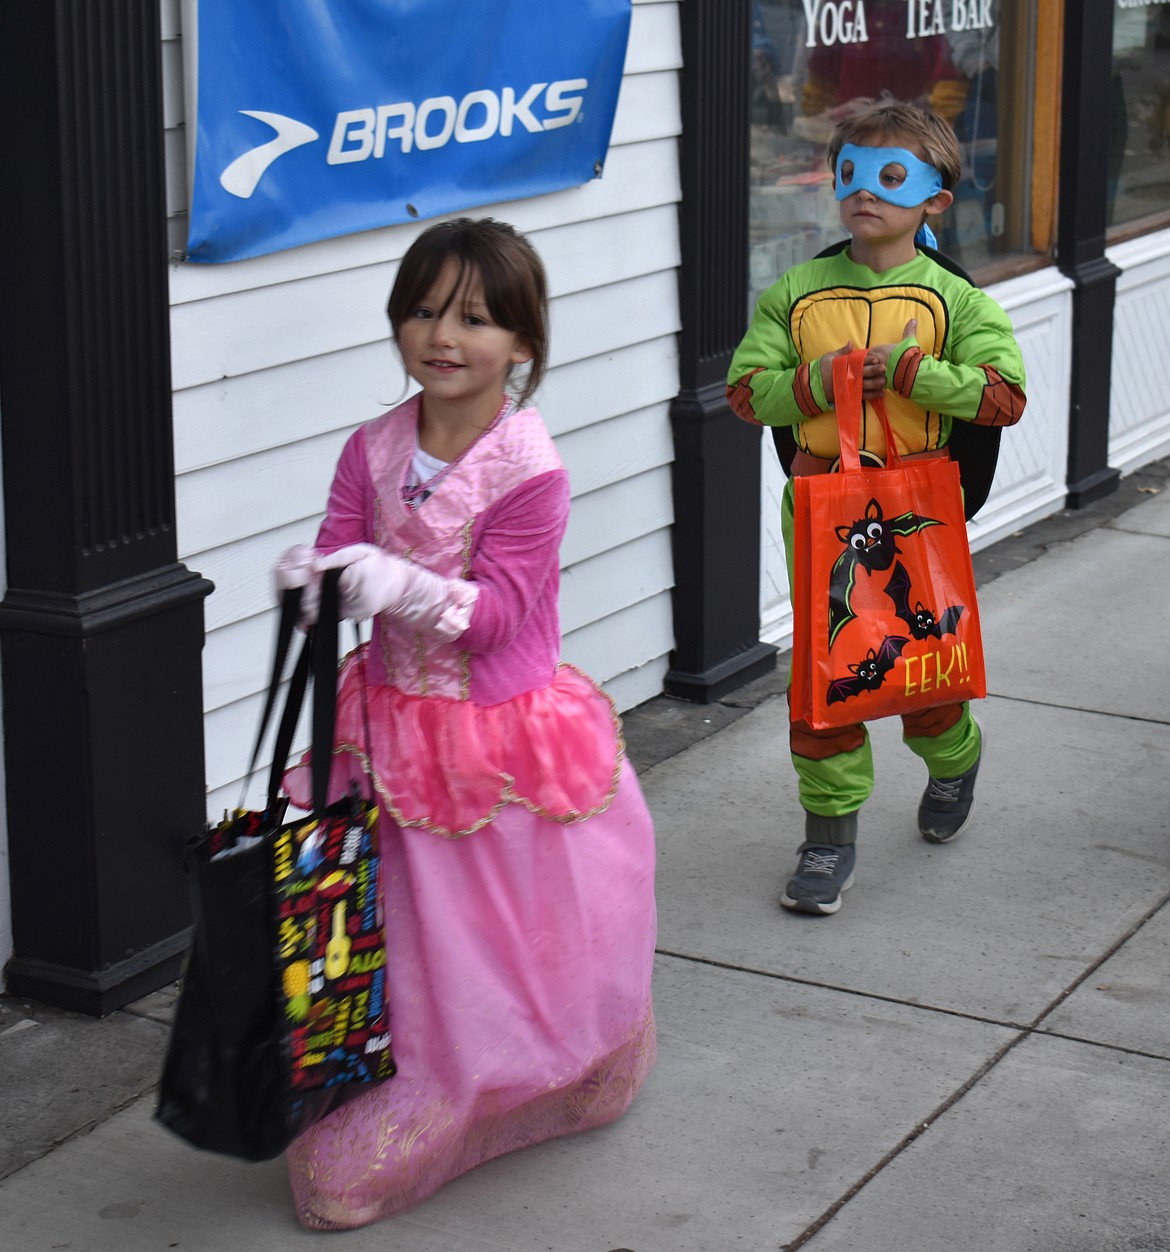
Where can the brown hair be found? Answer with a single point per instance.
(515, 288)
(925, 132)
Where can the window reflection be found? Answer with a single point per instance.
(813, 59)
(1139, 114)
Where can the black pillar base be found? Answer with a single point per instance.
(727, 676)
(1096, 486)
(104, 743)
(101, 992)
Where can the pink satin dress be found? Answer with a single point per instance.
(518, 851)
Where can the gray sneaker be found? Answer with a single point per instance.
(822, 873)
(947, 804)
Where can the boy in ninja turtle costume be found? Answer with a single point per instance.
(942, 354)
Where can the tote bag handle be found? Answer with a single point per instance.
(318, 659)
(289, 606)
(850, 405)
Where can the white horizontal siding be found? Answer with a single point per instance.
(277, 359)
(330, 313)
(597, 456)
(635, 375)
(636, 506)
(637, 176)
(633, 639)
(614, 580)
(640, 683)
(247, 497)
(220, 421)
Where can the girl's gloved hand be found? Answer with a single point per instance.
(375, 581)
(371, 582)
(295, 569)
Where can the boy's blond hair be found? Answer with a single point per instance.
(896, 125)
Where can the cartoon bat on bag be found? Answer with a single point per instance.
(870, 544)
(870, 672)
(921, 621)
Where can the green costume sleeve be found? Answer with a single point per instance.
(767, 375)
(982, 376)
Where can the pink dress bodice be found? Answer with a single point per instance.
(460, 729)
(442, 535)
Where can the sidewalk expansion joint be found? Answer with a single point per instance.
(81, 1131)
(949, 1103)
(1035, 1027)
(1091, 969)
(796, 980)
(1023, 1031)
(919, 1129)
(1078, 708)
(1046, 1033)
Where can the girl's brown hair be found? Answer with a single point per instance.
(901, 126)
(515, 288)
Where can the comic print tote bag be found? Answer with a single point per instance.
(283, 1012)
(886, 620)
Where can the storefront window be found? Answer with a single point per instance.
(973, 61)
(1139, 115)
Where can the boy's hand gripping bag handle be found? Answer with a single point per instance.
(850, 404)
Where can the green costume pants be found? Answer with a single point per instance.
(835, 767)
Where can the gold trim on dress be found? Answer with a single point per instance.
(506, 794)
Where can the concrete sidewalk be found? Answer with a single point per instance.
(973, 1054)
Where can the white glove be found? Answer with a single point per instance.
(377, 581)
(295, 569)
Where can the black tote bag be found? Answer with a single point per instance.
(283, 1013)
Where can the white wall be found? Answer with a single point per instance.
(277, 359)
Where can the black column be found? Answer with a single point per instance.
(101, 630)
(717, 457)
(1084, 171)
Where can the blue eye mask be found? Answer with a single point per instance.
(922, 181)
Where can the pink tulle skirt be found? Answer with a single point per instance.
(519, 963)
(449, 766)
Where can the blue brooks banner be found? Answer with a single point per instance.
(319, 118)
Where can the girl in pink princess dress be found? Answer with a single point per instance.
(518, 851)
